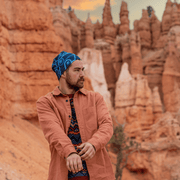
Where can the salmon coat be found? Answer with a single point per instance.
(95, 126)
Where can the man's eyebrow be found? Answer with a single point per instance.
(79, 68)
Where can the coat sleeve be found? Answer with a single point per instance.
(105, 127)
(52, 128)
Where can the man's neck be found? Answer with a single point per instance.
(67, 91)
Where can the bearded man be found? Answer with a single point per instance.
(76, 124)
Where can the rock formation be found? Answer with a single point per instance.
(75, 34)
(175, 16)
(167, 23)
(144, 30)
(157, 104)
(166, 19)
(140, 110)
(153, 65)
(159, 151)
(128, 49)
(157, 154)
(171, 77)
(135, 48)
(55, 3)
(155, 29)
(75, 25)
(94, 70)
(89, 41)
(124, 26)
(109, 29)
(135, 104)
(126, 52)
(108, 66)
(28, 46)
(117, 61)
(61, 23)
(98, 31)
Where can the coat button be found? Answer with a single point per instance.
(69, 116)
(66, 100)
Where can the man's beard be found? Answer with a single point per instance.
(76, 85)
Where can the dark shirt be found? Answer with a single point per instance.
(74, 135)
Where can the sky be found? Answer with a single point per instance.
(95, 8)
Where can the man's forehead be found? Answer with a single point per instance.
(77, 63)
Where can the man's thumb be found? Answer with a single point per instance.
(81, 146)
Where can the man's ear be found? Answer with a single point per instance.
(64, 74)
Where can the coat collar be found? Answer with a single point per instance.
(57, 91)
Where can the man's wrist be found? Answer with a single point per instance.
(71, 154)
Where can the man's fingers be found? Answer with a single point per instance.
(85, 148)
(76, 166)
(71, 165)
(80, 167)
(67, 164)
(89, 154)
(81, 146)
(74, 163)
(86, 155)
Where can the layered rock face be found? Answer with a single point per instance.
(155, 29)
(136, 59)
(28, 46)
(62, 24)
(143, 27)
(98, 30)
(94, 70)
(140, 110)
(117, 61)
(109, 29)
(159, 153)
(171, 76)
(124, 26)
(166, 19)
(55, 3)
(108, 66)
(135, 103)
(75, 26)
(128, 49)
(89, 33)
(170, 19)
(153, 65)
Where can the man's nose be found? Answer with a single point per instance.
(82, 73)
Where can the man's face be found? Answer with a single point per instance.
(75, 75)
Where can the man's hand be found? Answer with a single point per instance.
(74, 163)
(87, 150)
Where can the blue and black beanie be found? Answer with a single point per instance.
(62, 62)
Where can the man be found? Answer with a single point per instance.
(77, 125)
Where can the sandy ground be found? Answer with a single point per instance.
(24, 153)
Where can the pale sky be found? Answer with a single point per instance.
(95, 8)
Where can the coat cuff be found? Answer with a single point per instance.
(68, 150)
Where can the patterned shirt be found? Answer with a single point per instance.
(74, 135)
